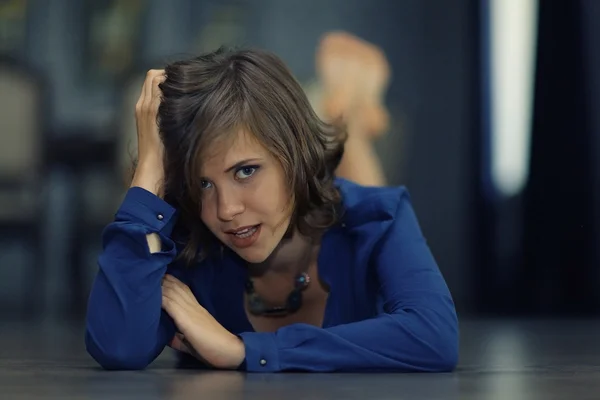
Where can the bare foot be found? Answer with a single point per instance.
(355, 75)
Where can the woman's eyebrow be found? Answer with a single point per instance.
(240, 163)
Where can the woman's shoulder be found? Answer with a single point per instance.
(365, 204)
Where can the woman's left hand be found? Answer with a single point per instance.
(214, 344)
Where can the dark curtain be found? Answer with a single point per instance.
(557, 273)
(553, 270)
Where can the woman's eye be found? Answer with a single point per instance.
(245, 172)
(204, 184)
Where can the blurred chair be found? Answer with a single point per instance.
(22, 188)
(100, 167)
(87, 163)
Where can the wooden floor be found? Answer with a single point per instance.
(499, 360)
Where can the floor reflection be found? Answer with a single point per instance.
(498, 360)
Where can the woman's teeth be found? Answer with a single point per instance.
(246, 232)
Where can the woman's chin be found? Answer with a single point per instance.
(252, 256)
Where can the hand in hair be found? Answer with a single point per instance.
(201, 335)
(149, 173)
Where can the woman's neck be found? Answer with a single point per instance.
(292, 256)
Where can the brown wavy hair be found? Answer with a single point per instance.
(211, 97)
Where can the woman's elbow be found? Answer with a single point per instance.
(117, 362)
(115, 357)
(436, 335)
(447, 344)
(447, 358)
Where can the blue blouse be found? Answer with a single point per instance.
(388, 309)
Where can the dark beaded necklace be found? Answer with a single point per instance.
(294, 301)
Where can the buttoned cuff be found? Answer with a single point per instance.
(149, 209)
(262, 353)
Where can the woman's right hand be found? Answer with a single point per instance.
(149, 173)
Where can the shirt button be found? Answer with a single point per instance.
(263, 362)
(160, 217)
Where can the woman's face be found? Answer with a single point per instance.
(245, 199)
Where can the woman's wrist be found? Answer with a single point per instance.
(149, 176)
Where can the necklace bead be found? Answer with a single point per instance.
(294, 300)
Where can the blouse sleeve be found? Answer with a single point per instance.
(125, 325)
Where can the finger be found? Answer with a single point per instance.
(166, 303)
(146, 87)
(148, 84)
(181, 297)
(174, 297)
(172, 307)
(177, 296)
(179, 289)
(171, 278)
(170, 292)
(173, 282)
(156, 92)
(170, 302)
(177, 343)
(169, 285)
(140, 102)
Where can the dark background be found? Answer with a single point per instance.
(531, 253)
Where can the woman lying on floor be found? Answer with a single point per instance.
(237, 244)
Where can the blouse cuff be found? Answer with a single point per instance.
(149, 209)
(262, 353)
